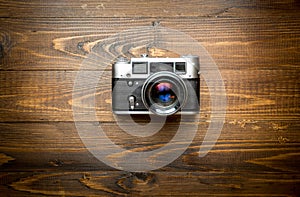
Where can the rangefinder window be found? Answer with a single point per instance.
(161, 66)
(180, 67)
(139, 67)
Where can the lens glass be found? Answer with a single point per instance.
(162, 93)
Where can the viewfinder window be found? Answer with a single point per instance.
(139, 68)
(180, 67)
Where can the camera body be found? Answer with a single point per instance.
(162, 86)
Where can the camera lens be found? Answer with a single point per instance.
(164, 93)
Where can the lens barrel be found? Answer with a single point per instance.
(164, 93)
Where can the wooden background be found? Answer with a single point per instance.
(255, 45)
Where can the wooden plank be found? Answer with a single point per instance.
(259, 146)
(62, 44)
(47, 96)
(249, 158)
(136, 8)
(109, 183)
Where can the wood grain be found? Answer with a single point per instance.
(58, 141)
(62, 44)
(47, 96)
(255, 45)
(55, 151)
(137, 8)
(149, 184)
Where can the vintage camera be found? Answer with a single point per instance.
(162, 86)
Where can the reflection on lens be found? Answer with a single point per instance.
(163, 94)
